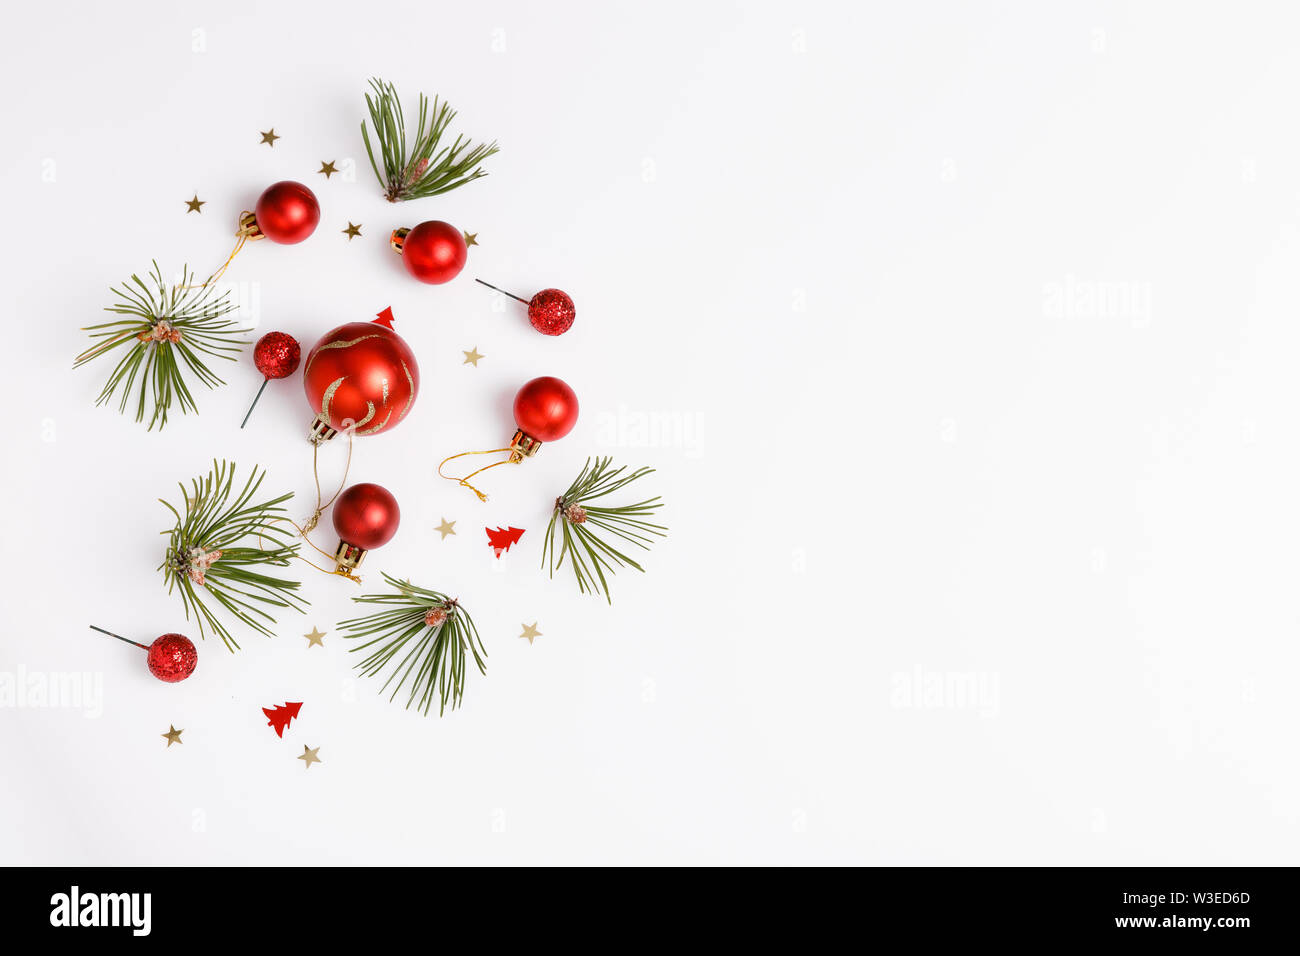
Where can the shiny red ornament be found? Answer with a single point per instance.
(172, 658)
(277, 354)
(365, 517)
(433, 251)
(360, 375)
(551, 312)
(546, 409)
(287, 212)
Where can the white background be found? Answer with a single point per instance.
(966, 334)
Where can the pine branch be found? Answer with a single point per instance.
(218, 546)
(168, 331)
(430, 631)
(585, 531)
(426, 169)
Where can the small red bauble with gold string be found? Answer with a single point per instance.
(365, 517)
(545, 409)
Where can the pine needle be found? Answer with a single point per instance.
(428, 168)
(586, 533)
(153, 368)
(248, 536)
(433, 658)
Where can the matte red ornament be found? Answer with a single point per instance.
(281, 714)
(361, 375)
(550, 311)
(433, 251)
(287, 212)
(366, 517)
(276, 355)
(546, 409)
(172, 657)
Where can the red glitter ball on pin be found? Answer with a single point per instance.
(551, 312)
(276, 354)
(172, 658)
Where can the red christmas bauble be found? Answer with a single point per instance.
(287, 212)
(551, 312)
(546, 409)
(366, 516)
(172, 658)
(434, 252)
(277, 354)
(362, 374)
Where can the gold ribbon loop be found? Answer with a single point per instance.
(310, 524)
(464, 482)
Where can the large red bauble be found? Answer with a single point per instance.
(172, 658)
(287, 212)
(361, 374)
(546, 409)
(434, 252)
(366, 516)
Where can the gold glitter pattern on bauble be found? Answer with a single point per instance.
(336, 345)
(379, 427)
(370, 413)
(328, 396)
(410, 397)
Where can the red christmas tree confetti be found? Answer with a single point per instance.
(385, 318)
(281, 715)
(502, 538)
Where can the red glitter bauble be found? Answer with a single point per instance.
(434, 252)
(546, 409)
(277, 354)
(551, 312)
(362, 374)
(172, 658)
(287, 212)
(366, 516)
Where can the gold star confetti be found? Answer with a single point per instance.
(327, 168)
(446, 528)
(173, 735)
(352, 231)
(315, 638)
(472, 357)
(194, 205)
(269, 137)
(530, 631)
(471, 238)
(309, 755)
